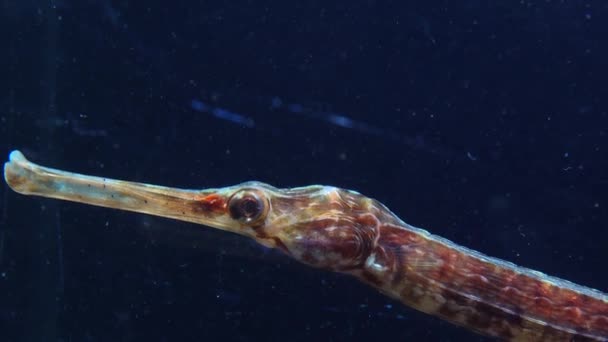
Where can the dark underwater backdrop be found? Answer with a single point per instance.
(484, 122)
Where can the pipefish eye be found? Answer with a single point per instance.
(248, 206)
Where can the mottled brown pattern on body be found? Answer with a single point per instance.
(334, 244)
(529, 295)
(437, 277)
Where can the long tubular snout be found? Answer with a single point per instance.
(203, 207)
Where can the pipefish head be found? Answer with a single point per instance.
(321, 226)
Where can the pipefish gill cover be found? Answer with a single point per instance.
(304, 171)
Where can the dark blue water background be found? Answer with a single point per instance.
(484, 122)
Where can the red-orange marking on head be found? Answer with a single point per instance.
(210, 203)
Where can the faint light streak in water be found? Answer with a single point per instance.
(321, 112)
(222, 113)
(233, 117)
(340, 120)
(199, 106)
